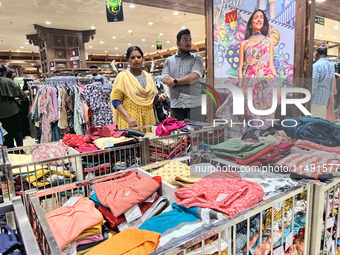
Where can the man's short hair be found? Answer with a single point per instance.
(182, 32)
(322, 50)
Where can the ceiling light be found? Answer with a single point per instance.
(18, 50)
(152, 45)
(161, 34)
(174, 47)
(90, 46)
(0, 4)
(26, 42)
(321, 35)
(60, 11)
(32, 64)
(132, 6)
(48, 23)
(113, 37)
(175, 13)
(183, 27)
(320, 1)
(334, 37)
(146, 53)
(129, 44)
(143, 40)
(162, 63)
(150, 23)
(21, 47)
(129, 31)
(105, 51)
(116, 48)
(101, 42)
(93, 27)
(336, 27)
(167, 41)
(156, 66)
(117, 54)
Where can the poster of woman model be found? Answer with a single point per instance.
(259, 36)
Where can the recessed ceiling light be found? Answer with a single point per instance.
(336, 27)
(174, 47)
(146, 53)
(116, 48)
(161, 34)
(334, 37)
(150, 23)
(32, 64)
(113, 37)
(319, 1)
(183, 27)
(93, 27)
(129, 31)
(26, 42)
(321, 35)
(105, 51)
(18, 50)
(101, 42)
(132, 6)
(60, 11)
(0, 4)
(167, 41)
(90, 46)
(143, 40)
(152, 45)
(117, 54)
(129, 44)
(175, 13)
(48, 23)
(21, 47)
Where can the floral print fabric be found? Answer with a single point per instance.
(47, 115)
(99, 102)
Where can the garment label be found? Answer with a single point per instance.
(70, 249)
(133, 213)
(330, 222)
(152, 198)
(72, 201)
(221, 197)
(279, 251)
(127, 193)
(278, 206)
(108, 144)
(289, 241)
(330, 246)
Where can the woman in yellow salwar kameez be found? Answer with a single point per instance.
(133, 94)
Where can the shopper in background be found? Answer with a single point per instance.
(337, 80)
(10, 111)
(10, 74)
(181, 71)
(323, 83)
(133, 94)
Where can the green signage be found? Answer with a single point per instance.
(114, 10)
(319, 20)
(105, 65)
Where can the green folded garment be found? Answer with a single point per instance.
(238, 148)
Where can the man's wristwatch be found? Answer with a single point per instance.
(176, 82)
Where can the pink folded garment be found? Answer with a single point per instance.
(83, 149)
(68, 222)
(304, 144)
(92, 169)
(90, 239)
(221, 192)
(168, 125)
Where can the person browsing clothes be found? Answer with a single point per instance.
(133, 94)
(180, 73)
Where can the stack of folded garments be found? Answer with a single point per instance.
(314, 147)
(49, 151)
(115, 197)
(75, 141)
(177, 174)
(168, 125)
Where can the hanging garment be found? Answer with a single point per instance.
(99, 102)
(67, 223)
(168, 125)
(129, 242)
(218, 191)
(122, 194)
(47, 115)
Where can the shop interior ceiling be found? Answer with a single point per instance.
(17, 19)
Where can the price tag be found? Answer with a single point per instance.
(70, 249)
(221, 197)
(330, 222)
(108, 144)
(278, 206)
(152, 198)
(133, 213)
(289, 241)
(330, 246)
(72, 201)
(338, 232)
(279, 251)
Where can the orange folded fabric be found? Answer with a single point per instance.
(122, 194)
(129, 242)
(68, 222)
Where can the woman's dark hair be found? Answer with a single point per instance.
(131, 49)
(264, 29)
(3, 70)
(9, 74)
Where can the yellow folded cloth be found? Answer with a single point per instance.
(100, 143)
(177, 174)
(37, 179)
(96, 229)
(17, 159)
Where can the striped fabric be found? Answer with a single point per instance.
(311, 165)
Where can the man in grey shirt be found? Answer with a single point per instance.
(181, 73)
